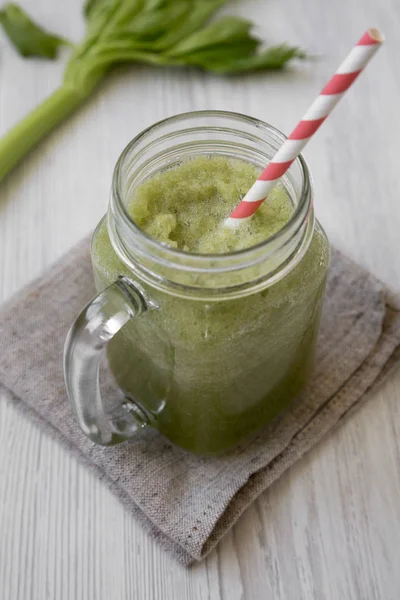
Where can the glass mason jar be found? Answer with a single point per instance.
(205, 348)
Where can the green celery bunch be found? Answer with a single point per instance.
(157, 32)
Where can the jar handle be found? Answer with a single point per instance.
(87, 338)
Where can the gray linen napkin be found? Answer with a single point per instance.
(185, 502)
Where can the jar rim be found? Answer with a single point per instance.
(304, 205)
(213, 276)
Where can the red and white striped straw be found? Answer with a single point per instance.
(346, 74)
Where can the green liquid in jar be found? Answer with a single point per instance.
(185, 207)
(213, 373)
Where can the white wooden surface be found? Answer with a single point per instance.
(330, 528)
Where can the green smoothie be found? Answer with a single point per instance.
(185, 207)
(213, 372)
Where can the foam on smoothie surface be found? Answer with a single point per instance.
(185, 206)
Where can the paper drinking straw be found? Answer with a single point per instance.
(346, 74)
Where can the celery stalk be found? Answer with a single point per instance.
(37, 124)
(159, 32)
